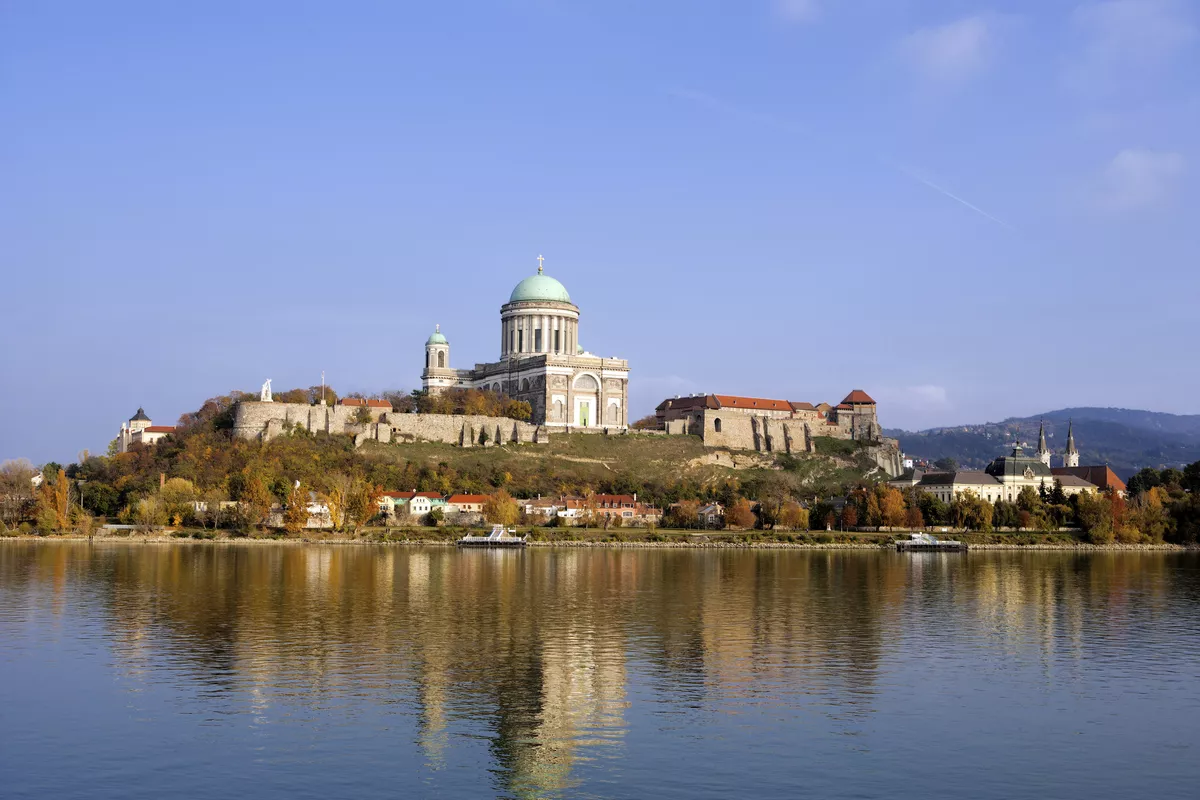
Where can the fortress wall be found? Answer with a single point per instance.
(463, 430)
(257, 420)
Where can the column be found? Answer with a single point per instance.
(503, 338)
(545, 333)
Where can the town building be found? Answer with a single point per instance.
(140, 430)
(542, 362)
(465, 503)
(415, 504)
(1002, 479)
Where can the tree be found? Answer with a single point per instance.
(113, 447)
(891, 503)
(254, 498)
(849, 517)
(739, 516)
(972, 513)
(500, 508)
(945, 464)
(1145, 479)
(1095, 517)
(874, 513)
(684, 514)
(178, 499)
(362, 502)
(16, 491)
(295, 516)
(646, 423)
(793, 516)
(362, 416)
(913, 519)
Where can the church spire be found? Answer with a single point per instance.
(1071, 457)
(1043, 452)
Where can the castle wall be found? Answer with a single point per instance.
(259, 420)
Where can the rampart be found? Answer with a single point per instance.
(264, 421)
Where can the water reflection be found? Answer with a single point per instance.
(538, 655)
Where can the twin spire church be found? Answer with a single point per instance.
(541, 362)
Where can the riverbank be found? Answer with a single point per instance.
(609, 539)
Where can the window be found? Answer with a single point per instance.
(537, 340)
(442, 358)
(520, 341)
(512, 341)
(426, 359)
(557, 340)
(717, 424)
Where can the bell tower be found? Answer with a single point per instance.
(437, 374)
(1043, 452)
(1071, 457)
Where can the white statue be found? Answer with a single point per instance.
(266, 392)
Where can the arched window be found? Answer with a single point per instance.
(496, 388)
(525, 385)
(717, 424)
(441, 358)
(426, 359)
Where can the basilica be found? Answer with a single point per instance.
(541, 362)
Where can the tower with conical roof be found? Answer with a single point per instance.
(437, 374)
(1071, 456)
(1043, 452)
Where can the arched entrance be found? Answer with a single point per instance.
(587, 401)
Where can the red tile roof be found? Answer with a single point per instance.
(467, 498)
(858, 396)
(754, 403)
(803, 407)
(160, 428)
(1101, 476)
(358, 401)
(410, 495)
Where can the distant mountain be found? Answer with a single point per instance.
(1125, 439)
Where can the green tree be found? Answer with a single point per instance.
(946, 464)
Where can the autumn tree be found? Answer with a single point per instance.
(178, 497)
(891, 503)
(684, 514)
(913, 519)
(254, 498)
(500, 508)
(739, 515)
(646, 423)
(362, 502)
(16, 491)
(849, 518)
(793, 516)
(295, 516)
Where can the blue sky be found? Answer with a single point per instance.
(970, 210)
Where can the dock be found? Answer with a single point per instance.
(924, 543)
(499, 537)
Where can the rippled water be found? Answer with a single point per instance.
(135, 670)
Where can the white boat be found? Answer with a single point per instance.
(926, 542)
(499, 537)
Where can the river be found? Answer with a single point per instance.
(279, 671)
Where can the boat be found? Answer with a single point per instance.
(499, 537)
(925, 543)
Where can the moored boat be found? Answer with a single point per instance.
(499, 537)
(925, 543)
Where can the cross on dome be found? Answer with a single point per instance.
(540, 260)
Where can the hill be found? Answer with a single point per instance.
(661, 469)
(1125, 439)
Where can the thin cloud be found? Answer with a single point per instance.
(1124, 41)
(1137, 179)
(715, 104)
(951, 55)
(798, 11)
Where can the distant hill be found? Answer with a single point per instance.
(1125, 439)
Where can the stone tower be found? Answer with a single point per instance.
(1043, 452)
(1071, 457)
(437, 374)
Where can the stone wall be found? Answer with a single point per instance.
(258, 420)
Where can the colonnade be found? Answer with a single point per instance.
(544, 332)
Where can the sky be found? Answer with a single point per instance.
(970, 210)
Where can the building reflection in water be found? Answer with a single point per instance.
(540, 653)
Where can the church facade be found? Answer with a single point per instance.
(541, 362)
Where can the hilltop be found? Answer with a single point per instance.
(1125, 439)
(217, 466)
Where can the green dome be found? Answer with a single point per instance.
(539, 287)
(436, 337)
